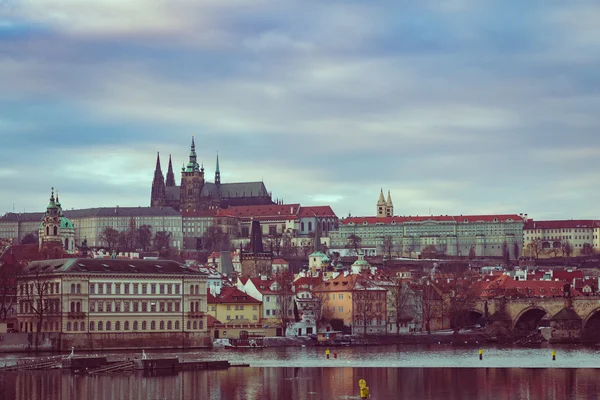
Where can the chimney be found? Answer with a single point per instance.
(291, 210)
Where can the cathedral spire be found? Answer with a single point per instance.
(217, 172)
(170, 174)
(192, 165)
(158, 196)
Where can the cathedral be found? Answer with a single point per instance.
(196, 194)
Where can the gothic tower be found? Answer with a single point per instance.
(192, 182)
(158, 197)
(381, 206)
(389, 206)
(170, 174)
(217, 173)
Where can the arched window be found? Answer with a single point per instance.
(108, 325)
(153, 325)
(143, 325)
(118, 326)
(66, 243)
(78, 288)
(68, 326)
(78, 307)
(47, 231)
(169, 325)
(72, 288)
(162, 325)
(55, 231)
(177, 325)
(135, 325)
(200, 324)
(126, 325)
(91, 325)
(190, 191)
(192, 306)
(99, 325)
(302, 226)
(324, 226)
(191, 289)
(197, 306)
(75, 326)
(82, 326)
(72, 306)
(309, 226)
(195, 325)
(189, 325)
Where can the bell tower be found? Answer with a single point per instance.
(192, 183)
(50, 227)
(389, 206)
(381, 205)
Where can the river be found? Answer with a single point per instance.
(392, 372)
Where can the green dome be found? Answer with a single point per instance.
(66, 223)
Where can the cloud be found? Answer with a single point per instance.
(456, 106)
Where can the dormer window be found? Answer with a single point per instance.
(495, 219)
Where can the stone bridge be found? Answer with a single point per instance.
(570, 318)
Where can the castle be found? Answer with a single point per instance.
(196, 194)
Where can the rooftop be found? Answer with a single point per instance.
(109, 266)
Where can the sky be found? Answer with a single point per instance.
(455, 106)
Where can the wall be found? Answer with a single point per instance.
(146, 340)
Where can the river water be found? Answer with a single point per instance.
(392, 372)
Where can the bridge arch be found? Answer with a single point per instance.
(466, 318)
(590, 327)
(528, 319)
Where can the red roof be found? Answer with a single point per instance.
(203, 213)
(279, 261)
(263, 285)
(507, 286)
(562, 224)
(316, 211)
(437, 218)
(307, 283)
(231, 295)
(270, 210)
(226, 213)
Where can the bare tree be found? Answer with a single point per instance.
(472, 254)
(429, 252)
(215, 239)
(9, 274)
(400, 303)
(37, 293)
(588, 250)
(388, 246)
(535, 248)
(110, 236)
(354, 243)
(432, 304)
(144, 237)
(30, 238)
(368, 303)
(285, 297)
(286, 244)
(505, 254)
(162, 243)
(566, 248)
(462, 298)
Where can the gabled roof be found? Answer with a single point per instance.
(307, 283)
(280, 261)
(243, 189)
(210, 213)
(231, 295)
(562, 224)
(316, 211)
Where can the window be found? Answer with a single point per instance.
(152, 307)
(195, 325)
(108, 306)
(135, 325)
(118, 326)
(153, 288)
(68, 326)
(162, 325)
(169, 307)
(153, 325)
(144, 307)
(310, 226)
(197, 289)
(126, 326)
(177, 289)
(162, 288)
(143, 325)
(126, 306)
(126, 288)
(81, 326)
(72, 289)
(302, 226)
(200, 324)
(118, 288)
(108, 326)
(136, 288)
(162, 306)
(100, 307)
(169, 325)
(268, 312)
(144, 288)
(135, 306)
(176, 325)
(91, 325)
(341, 296)
(100, 289)
(92, 306)
(92, 288)
(118, 306)
(99, 325)
(228, 306)
(72, 306)
(189, 325)
(176, 307)
(255, 308)
(57, 287)
(109, 288)
(168, 289)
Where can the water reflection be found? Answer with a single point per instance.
(308, 383)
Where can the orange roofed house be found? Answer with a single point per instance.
(232, 307)
(355, 300)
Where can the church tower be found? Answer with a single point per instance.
(158, 197)
(192, 182)
(170, 174)
(217, 173)
(389, 206)
(56, 231)
(381, 205)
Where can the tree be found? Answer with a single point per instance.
(110, 236)
(387, 246)
(535, 248)
(285, 296)
(400, 303)
(354, 243)
(286, 244)
(30, 238)
(368, 303)
(215, 239)
(505, 254)
(516, 250)
(472, 253)
(566, 248)
(462, 299)
(162, 243)
(144, 237)
(36, 291)
(588, 250)
(9, 274)
(275, 243)
(429, 252)
(432, 304)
